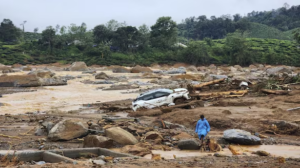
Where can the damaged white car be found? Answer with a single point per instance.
(160, 97)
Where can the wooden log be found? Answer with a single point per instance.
(208, 83)
(277, 92)
(218, 94)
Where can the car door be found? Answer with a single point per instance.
(149, 101)
(161, 98)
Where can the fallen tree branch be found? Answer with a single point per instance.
(293, 109)
(208, 83)
(7, 136)
(277, 92)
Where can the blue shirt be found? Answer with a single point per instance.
(202, 127)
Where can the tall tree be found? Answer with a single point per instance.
(126, 38)
(102, 34)
(8, 31)
(296, 34)
(163, 33)
(144, 36)
(113, 25)
(48, 36)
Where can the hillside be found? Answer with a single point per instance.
(257, 30)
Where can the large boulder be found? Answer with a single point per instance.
(121, 136)
(78, 66)
(241, 137)
(101, 75)
(67, 130)
(20, 81)
(55, 81)
(139, 69)
(119, 69)
(192, 69)
(97, 141)
(188, 144)
(277, 70)
(42, 73)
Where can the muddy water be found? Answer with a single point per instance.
(275, 150)
(64, 98)
(184, 153)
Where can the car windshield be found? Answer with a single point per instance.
(154, 94)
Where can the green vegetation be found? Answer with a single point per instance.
(222, 40)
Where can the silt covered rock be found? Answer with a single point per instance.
(241, 137)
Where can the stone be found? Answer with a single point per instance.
(102, 82)
(42, 73)
(67, 130)
(139, 69)
(277, 70)
(241, 137)
(101, 75)
(138, 150)
(119, 69)
(153, 135)
(97, 141)
(182, 136)
(78, 66)
(180, 70)
(188, 144)
(89, 72)
(192, 69)
(99, 162)
(238, 67)
(121, 136)
(39, 132)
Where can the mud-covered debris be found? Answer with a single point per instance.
(261, 153)
(153, 135)
(97, 141)
(89, 72)
(138, 149)
(121, 136)
(241, 137)
(156, 157)
(122, 87)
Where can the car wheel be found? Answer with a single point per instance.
(179, 101)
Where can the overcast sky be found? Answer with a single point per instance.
(43, 13)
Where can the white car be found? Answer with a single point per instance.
(160, 97)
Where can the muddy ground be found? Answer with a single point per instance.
(24, 109)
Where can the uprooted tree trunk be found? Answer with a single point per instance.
(277, 92)
(192, 88)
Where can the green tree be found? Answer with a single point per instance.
(237, 49)
(144, 36)
(8, 31)
(163, 33)
(113, 25)
(48, 36)
(126, 38)
(102, 34)
(196, 53)
(296, 34)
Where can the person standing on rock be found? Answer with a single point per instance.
(202, 128)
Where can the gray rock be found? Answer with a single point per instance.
(53, 81)
(78, 66)
(103, 82)
(99, 162)
(68, 77)
(277, 70)
(89, 72)
(188, 144)
(97, 141)
(40, 162)
(218, 76)
(241, 137)
(101, 75)
(39, 132)
(180, 70)
(67, 130)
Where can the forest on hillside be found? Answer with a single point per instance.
(268, 37)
